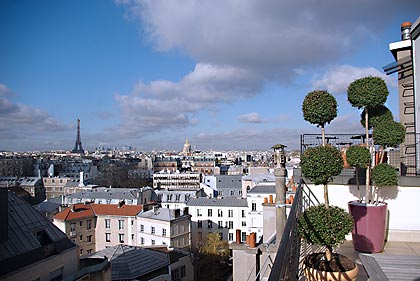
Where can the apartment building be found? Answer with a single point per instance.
(162, 226)
(177, 181)
(216, 215)
(177, 199)
(225, 185)
(115, 224)
(78, 223)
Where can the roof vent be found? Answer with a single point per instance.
(405, 30)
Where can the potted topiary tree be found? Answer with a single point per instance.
(322, 226)
(319, 107)
(369, 216)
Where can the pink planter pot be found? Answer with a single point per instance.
(369, 226)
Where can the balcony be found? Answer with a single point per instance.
(399, 259)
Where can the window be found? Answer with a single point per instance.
(108, 237)
(81, 251)
(199, 214)
(80, 223)
(243, 213)
(209, 212)
(108, 201)
(107, 223)
(153, 230)
(230, 236)
(230, 224)
(219, 213)
(182, 271)
(243, 223)
(199, 224)
(120, 224)
(57, 274)
(81, 237)
(153, 242)
(243, 236)
(89, 251)
(89, 238)
(175, 274)
(121, 238)
(164, 232)
(230, 213)
(132, 236)
(72, 227)
(142, 240)
(209, 224)
(141, 228)
(219, 224)
(232, 192)
(132, 222)
(254, 206)
(89, 224)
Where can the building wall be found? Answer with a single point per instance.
(67, 262)
(101, 231)
(157, 238)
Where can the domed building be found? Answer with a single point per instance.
(187, 148)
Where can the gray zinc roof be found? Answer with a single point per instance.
(162, 214)
(264, 189)
(130, 262)
(104, 195)
(222, 202)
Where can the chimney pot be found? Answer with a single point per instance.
(252, 239)
(238, 236)
(271, 199)
(265, 200)
(405, 30)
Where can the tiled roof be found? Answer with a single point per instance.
(75, 212)
(115, 210)
(223, 202)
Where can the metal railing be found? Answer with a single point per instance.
(289, 254)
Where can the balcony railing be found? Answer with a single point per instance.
(290, 253)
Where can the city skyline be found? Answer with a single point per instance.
(149, 74)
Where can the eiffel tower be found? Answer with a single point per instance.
(78, 145)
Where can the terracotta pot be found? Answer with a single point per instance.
(369, 226)
(313, 274)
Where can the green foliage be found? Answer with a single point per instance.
(367, 92)
(389, 134)
(319, 108)
(376, 115)
(323, 226)
(215, 246)
(384, 175)
(321, 163)
(358, 156)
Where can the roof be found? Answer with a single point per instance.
(130, 262)
(265, 189)
(30, 235)
(107, 193)
(115, 210)
(260, 178)
(75, 212)
(222, 202)
(23, 181)
(162, 214)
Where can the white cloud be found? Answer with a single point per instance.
(4, 91)
(252, 117)
(338, 78)
(165, 104)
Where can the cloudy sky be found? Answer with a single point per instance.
(228, 74)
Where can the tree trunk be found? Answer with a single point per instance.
(327, 201)
(367, 196)
(328, 253)
(323, 134)
(358, 185)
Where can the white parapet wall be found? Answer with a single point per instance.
(403, 207)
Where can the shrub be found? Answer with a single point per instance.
(384, 175)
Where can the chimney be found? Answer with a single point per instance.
(271, 199)
(177, 213)
(405, 30)
(186, 211)
(252, 239)
(4, 214)
(265, 200)
(121, 203)
(81, 182)
(238, 236)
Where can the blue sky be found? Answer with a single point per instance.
(225, 74)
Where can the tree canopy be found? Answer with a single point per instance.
(321, 163)
(389, 133)
(384, 175)
(376, 115)
(319, 108)
(215, 246)
(358, 156)
(367, 92)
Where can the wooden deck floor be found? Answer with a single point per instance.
(402, 256)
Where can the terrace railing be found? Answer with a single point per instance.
(290, 254)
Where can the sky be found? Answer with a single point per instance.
(226, 74)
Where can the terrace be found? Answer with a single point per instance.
(400, 259)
